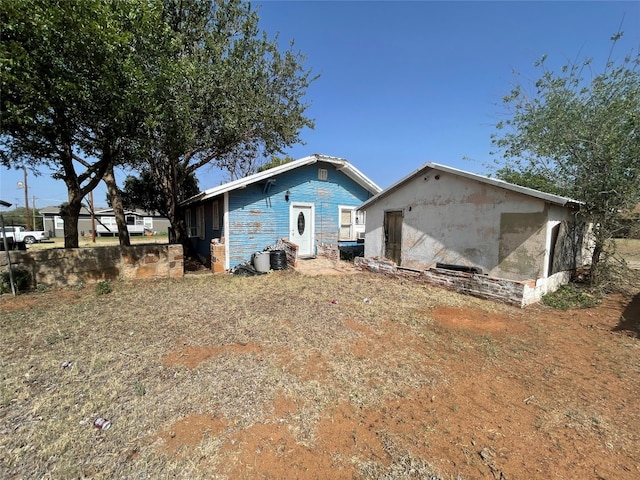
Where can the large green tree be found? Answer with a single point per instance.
(577, 132)
(143, 192)
(274, 161)
(162, 86)
(73, 88)
(224, 95)
(531, 178)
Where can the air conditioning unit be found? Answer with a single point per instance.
(360, 235)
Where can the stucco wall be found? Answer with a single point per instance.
(456, 220)
(72, 267)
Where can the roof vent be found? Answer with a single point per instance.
(323, 174)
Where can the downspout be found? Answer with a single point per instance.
(225, 222)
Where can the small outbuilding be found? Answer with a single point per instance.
(311, 203)
(447, 220)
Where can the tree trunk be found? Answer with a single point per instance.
(176, 213)
(109, 179)
(594, 278)
(70, 213)
(180, 228)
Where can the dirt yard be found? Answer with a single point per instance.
(286, 376)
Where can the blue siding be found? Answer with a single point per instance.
(259, 214)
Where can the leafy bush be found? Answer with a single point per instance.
(21, 280)
(103, 288)
(570, 296)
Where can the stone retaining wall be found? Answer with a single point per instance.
(508, 291)
(60, 267)
(329, 251)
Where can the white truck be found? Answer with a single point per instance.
(22, 235)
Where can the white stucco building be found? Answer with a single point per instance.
(439, 216)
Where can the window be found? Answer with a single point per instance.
(345, 224)
(200, 222)
(59, 223)
(351, 223)
(216, 216)
(188, 220)
(359, 226)
(109, 222)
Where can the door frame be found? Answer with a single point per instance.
(385, 231)
(293, 224)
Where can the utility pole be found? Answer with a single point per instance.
(26, 198)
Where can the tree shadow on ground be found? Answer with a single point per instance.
(630, 318)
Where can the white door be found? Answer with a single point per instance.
(301, 228)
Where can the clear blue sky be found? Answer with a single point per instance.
(404, 83)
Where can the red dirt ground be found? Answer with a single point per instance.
(551, 409)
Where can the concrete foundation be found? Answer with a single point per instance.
(512, 292)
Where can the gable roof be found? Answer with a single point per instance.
(55, 210)
(341, 165)
(547, 197)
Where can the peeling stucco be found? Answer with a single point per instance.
(461, 221)
(522, 243)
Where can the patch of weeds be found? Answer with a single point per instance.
(570, 296)
(490, 347)
(97, 364)
(103, 287)
(21, 280)
(403, 465)
(458, 345)
(56, 337)
(519, 348)
(577, 419)
(139, 389)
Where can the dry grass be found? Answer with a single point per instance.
(229, 348)
(628, 248)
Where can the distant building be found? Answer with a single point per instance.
(138, 222)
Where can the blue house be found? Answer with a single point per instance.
(309, 202)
